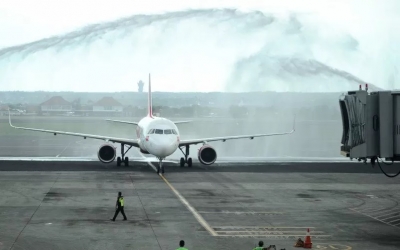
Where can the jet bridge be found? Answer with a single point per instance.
(371, 126)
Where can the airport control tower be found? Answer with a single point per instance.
(140, 86)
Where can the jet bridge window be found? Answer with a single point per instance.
(158, 131)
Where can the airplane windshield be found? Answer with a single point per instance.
(161, 131)
(158, 131)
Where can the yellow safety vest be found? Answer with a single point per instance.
(121, 200)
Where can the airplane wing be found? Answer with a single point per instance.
(127, 122)
(224, 138)
(131, 142)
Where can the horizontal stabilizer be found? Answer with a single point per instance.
(127, 122)
(179, 122)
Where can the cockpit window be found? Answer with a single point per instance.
(158, 131)
(161, 131)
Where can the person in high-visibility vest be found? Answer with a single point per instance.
(260, 246)
(119, 206)
(181, 245)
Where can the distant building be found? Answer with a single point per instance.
(3, 109)
(32, 109)
(84, 110)
(56, 105)
(140, 86)
(108, 106)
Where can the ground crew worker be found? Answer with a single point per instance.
(260, 246)
(181, 245)
(119, 206)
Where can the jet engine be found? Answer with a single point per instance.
(207, 155)
(106, 153)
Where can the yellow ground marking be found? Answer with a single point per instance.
(196, 215)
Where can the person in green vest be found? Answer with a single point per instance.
(119, 207)
(260, 245)
(181, 245)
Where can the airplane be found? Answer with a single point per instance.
(156, 136)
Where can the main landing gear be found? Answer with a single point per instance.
(123, 159)
(186, 159)
(160, 166)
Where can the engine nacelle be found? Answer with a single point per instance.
(106, 153)
(207, 155)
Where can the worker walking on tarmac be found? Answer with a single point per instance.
(260, 246)
(181, 245)
(119, 207)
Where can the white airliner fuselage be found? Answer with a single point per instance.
(157, 136)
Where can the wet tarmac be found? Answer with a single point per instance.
(68, 204)
(55, 194)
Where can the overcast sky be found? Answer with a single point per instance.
(370, 26)
(23, 21)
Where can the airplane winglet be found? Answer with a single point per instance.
(294, 123)
(9, 117)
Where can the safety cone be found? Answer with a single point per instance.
(307, 240)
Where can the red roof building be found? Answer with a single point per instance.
(108, 104)
(56, 104)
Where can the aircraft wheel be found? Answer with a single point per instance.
(118, 161)
(126, 161)
(182, 162)
(190, 162)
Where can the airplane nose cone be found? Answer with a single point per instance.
(162, 146)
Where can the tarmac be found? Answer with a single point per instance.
(55, 194)
(68, 204)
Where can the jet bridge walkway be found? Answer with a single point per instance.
(371, 126)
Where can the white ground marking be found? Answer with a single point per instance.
(267, 231)
(376, 218)
(47, 159)
(242, 213)
(69, 144)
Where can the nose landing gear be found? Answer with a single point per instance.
(186, 159)
(160, 166)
